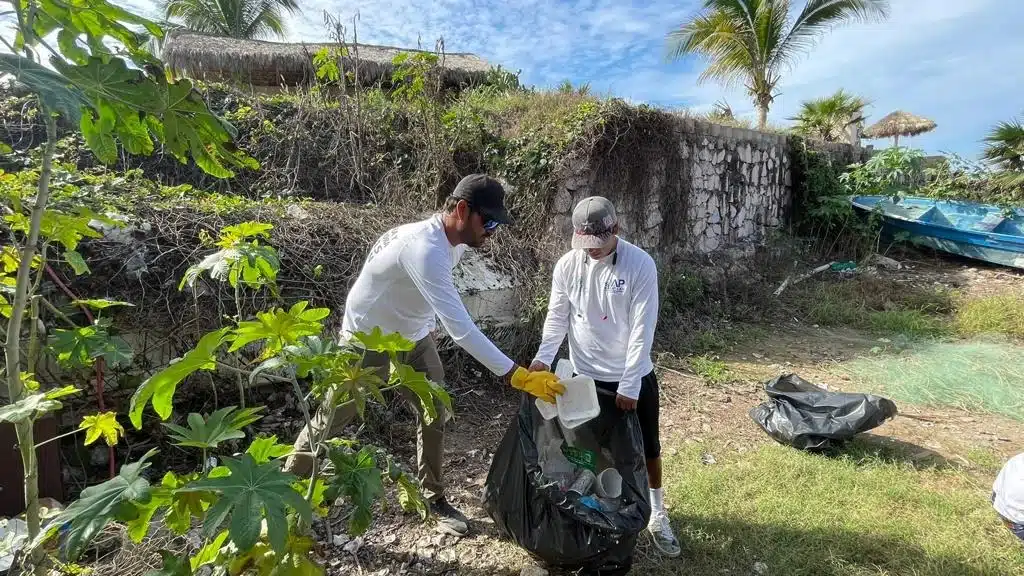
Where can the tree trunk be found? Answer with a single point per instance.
(896, 141)
(762, 116)
(12, 353)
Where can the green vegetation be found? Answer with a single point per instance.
(876, 305)
(1000, 314)
(979, 375)
(710, 368)
(248, 19)
(753, 42)
(865, 512)
(828, 118)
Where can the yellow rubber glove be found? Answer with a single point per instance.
(542, 384)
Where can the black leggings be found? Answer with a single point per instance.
(646, 412)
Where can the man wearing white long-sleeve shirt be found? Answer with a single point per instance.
(404, 284)
(604, 295)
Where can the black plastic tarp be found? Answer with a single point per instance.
(553, 525)
(800, 414)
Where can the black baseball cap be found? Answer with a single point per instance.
(485, 195)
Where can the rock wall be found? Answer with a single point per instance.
(713, 187)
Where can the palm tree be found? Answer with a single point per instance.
(250, 19)
(755, 41)
(1004, 146)
(829, 118)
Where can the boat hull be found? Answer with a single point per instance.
(979, 231)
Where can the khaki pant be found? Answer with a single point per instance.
(429, 438)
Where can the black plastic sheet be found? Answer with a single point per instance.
(800, 414)
(553, 525)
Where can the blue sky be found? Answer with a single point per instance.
(957, 62)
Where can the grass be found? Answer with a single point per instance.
(711, 369)
(980, 375)
(1002, 314)
(861, 513)
(883, 307)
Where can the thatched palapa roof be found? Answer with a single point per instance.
(899, 123)
(273, 64)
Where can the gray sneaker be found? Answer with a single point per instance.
(449, 519)
(661, 532)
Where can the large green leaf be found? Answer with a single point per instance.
(358, 478)
(98, 505)
(279, 328)
(80, 347)
(377, 341)
(181, 507)
(253, 492)
(409, 496)
(111, 82)
(56, 92)
(159, 388)
(428, 392)
(28, 408)
(224, 424)
(265, 449)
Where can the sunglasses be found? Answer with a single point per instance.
(491, 225)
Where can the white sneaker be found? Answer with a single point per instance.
(661, 532)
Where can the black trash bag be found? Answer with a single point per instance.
(808, 417)
(553, 525)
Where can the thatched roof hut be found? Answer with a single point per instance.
(275, 64)
(899, 123)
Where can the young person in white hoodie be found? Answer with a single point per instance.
(404, 284)
(604, 295)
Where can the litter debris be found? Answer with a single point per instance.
(353, 546)
(790, 280)
(340, 539)
(800, 414)
(886, 262)
(708, 459)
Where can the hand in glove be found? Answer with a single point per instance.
(542, 384)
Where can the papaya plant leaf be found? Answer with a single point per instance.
(54, 90)
(220, 426)
(264, 449)
(77, 263)
(104, 424)
(377, 341)
(159, 388)
(208, 554)
(279, 328)
(28, 408)
(428, 392)
(84, 518)
(357, 478)
(100, 303)
(253, 492)
(409, 496)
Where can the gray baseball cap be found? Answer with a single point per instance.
(593, 220)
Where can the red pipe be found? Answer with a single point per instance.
(100, 363)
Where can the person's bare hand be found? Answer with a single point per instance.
(625, 403)
(539, 366)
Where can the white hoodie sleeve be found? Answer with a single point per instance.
(643, 318)
(430, 271)
(556, 325)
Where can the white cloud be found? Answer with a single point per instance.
(954, 61)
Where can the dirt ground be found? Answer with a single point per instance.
(692, 411)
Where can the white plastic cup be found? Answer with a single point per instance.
(609, 483)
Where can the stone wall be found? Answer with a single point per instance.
(714, 187)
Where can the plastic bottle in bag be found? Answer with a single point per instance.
(555, 466)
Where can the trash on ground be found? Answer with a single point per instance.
(800, 414)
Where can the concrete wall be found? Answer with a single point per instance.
(714, 188)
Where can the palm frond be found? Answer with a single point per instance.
(246, 19)
(820, 16)
(1004, 146)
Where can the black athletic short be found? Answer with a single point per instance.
(646, 412)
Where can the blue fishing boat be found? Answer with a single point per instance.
(979, 231)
